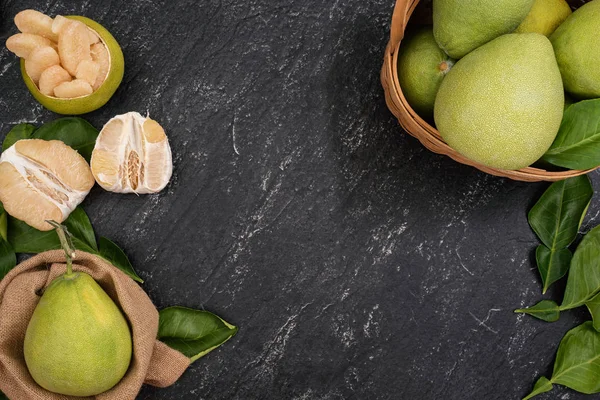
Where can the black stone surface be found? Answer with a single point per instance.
(356, 264)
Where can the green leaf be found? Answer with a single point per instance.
(76, 132)
(26, 239)
(3, 223)
(553, 265)
(194, 333)
(556, 216)
(594, 307)
(577, 144)
(584, 276)
(543, 385)
(577, 364)
(18, 132)
(546, 310)
(113, 254)
(8, 258)
(80, 228)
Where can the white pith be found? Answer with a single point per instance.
(23, 165)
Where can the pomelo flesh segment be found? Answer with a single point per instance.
(41, 180)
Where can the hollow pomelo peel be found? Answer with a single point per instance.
(577, 47)
(421, 67)
(502, 104)
(78, 342)
(102, 93)
(461, 26)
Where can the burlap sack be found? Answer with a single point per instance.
(153, 362)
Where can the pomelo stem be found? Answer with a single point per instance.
(67, 244)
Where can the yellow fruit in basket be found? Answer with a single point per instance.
(461, 26)
(577, 47)
(502, 104)
(421, 67)
(132, 155)
(81, 47)
(545, 16)
(42, 180)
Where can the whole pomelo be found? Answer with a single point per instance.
(545, 16)
(461, 26)
(502, 104)
(577, 47)
(77, 342)
(421, 67)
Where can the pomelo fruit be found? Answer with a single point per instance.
(41, 180)
(78, 342)
(577, 47)
(132, 155)
(421, 67)
(502, 104)
(545, 16)
(461, 26)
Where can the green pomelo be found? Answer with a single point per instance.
(577, 47)
(421, 67)
(461, 26)
(77, 343)
(545, 16)
(502, 104)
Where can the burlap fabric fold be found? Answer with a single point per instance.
(153, 362)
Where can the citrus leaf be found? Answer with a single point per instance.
(75, 132)
(194, 333)
(543, 385)
(584, 276)
(577, 364)
(546, 310)
(594, 308)
(80, 227)
(26, 239)
(577, 144)
(113, 254)
(3, 223)
(556, 216)
(18, 132)
(8, 258)
(553, 265)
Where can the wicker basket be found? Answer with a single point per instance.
(427, 134)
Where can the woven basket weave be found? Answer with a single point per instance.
(427, 134)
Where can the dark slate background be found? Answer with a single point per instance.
(356, 264)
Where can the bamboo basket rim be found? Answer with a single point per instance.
(421, 129)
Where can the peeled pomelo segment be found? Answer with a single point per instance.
(51, 78)
(107, 164)
(32, 21)
(22, 44)
(41, 180)
(73, 89)
(73, 46)
(102, 58)
(88, 71)
(40, 59)
(132, 155)
(22, 202)
(58, 159)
